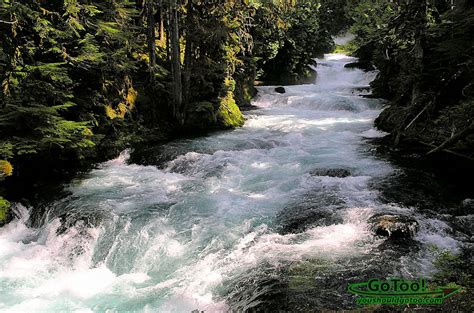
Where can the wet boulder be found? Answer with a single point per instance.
(465, 224)
(394, 226)
(311, 210)
(366, 66)
(280, 89)
(331, 172)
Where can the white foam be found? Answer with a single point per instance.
(150, 239)
(373, 133)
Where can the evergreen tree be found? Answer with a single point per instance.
(82, 79)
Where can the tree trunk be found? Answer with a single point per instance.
(161, 24)
(167, 18)
(188, 57)
(176, 62)
(151, 37)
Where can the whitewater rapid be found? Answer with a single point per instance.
(188, 233)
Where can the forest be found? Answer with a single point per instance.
(84, 80)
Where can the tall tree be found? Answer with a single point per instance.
(151, 39)
(188, 55)
(177, 93)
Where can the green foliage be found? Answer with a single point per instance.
(77, 76)
(4, 207)
(333, 17)
(62, 63)
(37, 87)
(349, 48)
(423, 51)
(288, 41)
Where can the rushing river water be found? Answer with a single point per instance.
(235, 220)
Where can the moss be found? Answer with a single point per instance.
(229, 115)
(4, 207)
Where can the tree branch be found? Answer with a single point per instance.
(7, 22)
(418, 115)
(453, 139)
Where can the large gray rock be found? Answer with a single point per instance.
(394, 226)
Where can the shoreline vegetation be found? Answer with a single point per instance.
(423, 52)
(82, 80)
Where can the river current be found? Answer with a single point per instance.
(232, 221)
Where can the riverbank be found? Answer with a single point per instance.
(423, 54)
(271, 215)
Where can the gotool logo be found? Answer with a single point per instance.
(399, 291)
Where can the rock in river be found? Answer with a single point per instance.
(280, 90)
(331, 172)
(393, 226)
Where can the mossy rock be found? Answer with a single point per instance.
(4, 211)
(201, 115)
(394, 226)
(206, 115)
(229, 115)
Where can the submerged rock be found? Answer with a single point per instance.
(366, 66)
(312, 210)
(280, 89)
(331, 172)
(394, 226)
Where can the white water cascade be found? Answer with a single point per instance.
(180, 237)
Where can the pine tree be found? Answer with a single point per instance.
(37, 89)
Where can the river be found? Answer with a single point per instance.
(236, 220)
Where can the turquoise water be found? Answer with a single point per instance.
(173, 239)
